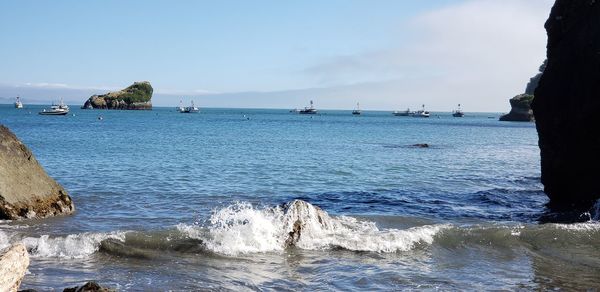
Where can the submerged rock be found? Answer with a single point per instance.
(135, 97)
(567, 104)
(26, 191)
(301, 216)
(90, 286)
(13, 265)
(520, 109)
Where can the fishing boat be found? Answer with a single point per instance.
(421, 113)
(405, 113)
(309, 110)
(458, 113)
(18, 103)
(56, 110)
(356, 111)
(180, 108)
(189, 109)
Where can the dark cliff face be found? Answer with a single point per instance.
(567, 105)
(535, 80)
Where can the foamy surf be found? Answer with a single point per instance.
(241, 229)
(70, 246)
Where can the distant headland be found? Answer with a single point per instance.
(137, 96)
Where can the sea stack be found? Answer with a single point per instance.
(138, 96)
(521, 104)
(520, 109)
(567, 104)
(26, 191)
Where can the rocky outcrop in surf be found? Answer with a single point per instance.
(241, 229)
(302, 217)
(26, 191)
(138, 96)
(13, 266)
(90, 286)
(567, 103)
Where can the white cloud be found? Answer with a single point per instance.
(478, 53)
(185, 92)
(46, 85)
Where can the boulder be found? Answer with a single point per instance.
(90, 286)
(302, 217)
(26, 191)
(13, 265)
(567, 104)
(520, 109)
(138, 96)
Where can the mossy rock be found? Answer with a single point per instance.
(136, 96)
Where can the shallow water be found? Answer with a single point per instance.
(189, 201)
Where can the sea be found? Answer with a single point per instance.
(167, 201)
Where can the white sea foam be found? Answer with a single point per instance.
(4, 240)
(242, 228)
(586, 226)
(70, 246)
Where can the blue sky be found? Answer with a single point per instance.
(385, 54)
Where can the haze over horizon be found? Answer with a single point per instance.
(271, 54)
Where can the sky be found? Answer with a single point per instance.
(385, 54)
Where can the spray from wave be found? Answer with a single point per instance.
(242, 228)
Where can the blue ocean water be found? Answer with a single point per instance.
(153, 190)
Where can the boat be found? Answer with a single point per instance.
(421, 113)
(180, 108)
(56, 110)
(308, 110)
(458, 113)
(405, 113)
(357, 110)
(189, 109)
(18, 103)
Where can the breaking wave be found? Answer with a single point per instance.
(242, 229)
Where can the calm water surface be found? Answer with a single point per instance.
(169, 201)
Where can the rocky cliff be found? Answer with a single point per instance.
(135, 97)
(26, 191)
(520, 109)
(535, 80)
(567, 105)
